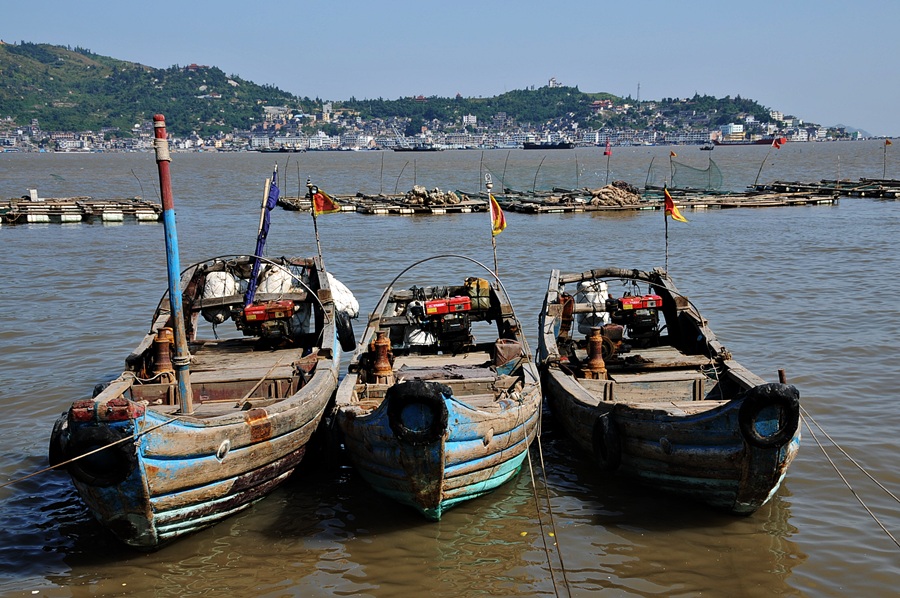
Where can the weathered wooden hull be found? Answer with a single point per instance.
(162, 474)
(702, 456)
(672, 411)
(474, 453)
(427, 414)
(189, 475)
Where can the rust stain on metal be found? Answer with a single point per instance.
(260, 426)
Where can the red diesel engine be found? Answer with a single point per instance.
(639, 315)
(269, 320)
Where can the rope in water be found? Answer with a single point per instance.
(537, 504)
(87, 454)
(807, 418)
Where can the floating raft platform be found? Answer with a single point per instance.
(64, 210)
(303, 204)
(561, 201)
(877, 188)
(393, 205)
(695, 202)
(380, 207)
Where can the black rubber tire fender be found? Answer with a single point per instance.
(784, 396)
(103, 468)
(431, 396)
(606, 443)
(56, 451)
(345, 331)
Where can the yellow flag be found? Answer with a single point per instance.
(498, 220)
(322, 203)
(672, 209)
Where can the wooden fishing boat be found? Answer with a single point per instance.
(202, 423)
(429, 416)
(257, 399)
(661, 401)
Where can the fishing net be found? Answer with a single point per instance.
(681, 176)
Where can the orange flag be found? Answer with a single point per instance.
(888, 142)
(673, 155)
(672, 209)
(324, 204)
(498, 220)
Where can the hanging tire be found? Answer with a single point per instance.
(345, 331)
(57, 448)
(782, 396)
(416, 411)
(107, 467)
(606, 443)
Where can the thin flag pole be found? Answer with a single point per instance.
(397, 184)
(608, 153)
(666, 218)
(488, 183)
(262, 209)
(576, 171)
(649, 170)
(481, 167)
(536, 172)
(182, 359)
(756, 182)
(269, 201)
(884, 161)
(312, 208)
(503, 176)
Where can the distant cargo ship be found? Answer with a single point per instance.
(418, 148)
(548, 145)
(765, 141)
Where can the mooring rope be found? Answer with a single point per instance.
(83, 455)
(808, 418)
(537, 504)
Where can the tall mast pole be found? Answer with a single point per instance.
(182, 358)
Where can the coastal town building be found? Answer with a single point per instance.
(282, 128)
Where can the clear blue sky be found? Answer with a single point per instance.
(824, 61)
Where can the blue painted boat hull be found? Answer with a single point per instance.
(473, 454)
(257, 404)
(428, 415)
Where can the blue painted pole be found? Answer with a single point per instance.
(182, 359)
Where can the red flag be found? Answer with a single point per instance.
(324, 204)
(778, 142)
(673, 155)
(888, 142)
(672, 209)
(498, 220)
(608, 151)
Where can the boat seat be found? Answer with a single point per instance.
(658, 386)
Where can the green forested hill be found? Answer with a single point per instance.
(75, 89)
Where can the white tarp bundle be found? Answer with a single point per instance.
(596, 293)
(218, 284)
(343, 299)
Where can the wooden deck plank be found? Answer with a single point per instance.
(436, 361)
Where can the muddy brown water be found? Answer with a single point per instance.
(807, 289)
